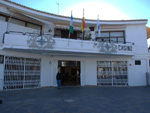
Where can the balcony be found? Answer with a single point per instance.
(49, 44)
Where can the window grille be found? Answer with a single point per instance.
(112, 73)
(21, 73)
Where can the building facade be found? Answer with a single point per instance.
(34, 44)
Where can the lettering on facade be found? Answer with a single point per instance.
(124, 48)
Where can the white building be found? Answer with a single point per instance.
(33, 44)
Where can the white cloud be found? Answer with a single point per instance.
(92, 9)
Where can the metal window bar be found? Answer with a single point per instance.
(106, 75)
(18, 76)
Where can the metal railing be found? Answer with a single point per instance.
(17, 32)
(38, 34)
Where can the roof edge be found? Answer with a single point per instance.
(52, 14)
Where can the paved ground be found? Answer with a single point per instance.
(77, 100)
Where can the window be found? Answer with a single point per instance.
(137, 62)
(112, 36)
(2, 18)
(1, 59)
(64, 33)
(37, 27)
(91, 28)
(113, 73)
(61, 33)
(18, 22)
(57, 33)
(21, 73)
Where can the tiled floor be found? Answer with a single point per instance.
(77, 100)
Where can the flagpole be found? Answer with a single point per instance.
(68, 38)
(82, 38)
(83, 30)
(69, 32)
(97, 29)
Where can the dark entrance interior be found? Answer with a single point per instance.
(70, 71)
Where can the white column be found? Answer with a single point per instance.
(1, 76)
(54, 72)
(48, 28)
(83, 74)
(45, 72)
(148, 67)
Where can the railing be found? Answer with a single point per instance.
(13, 39)
(96, 39)
(122, 42)
(17, 32)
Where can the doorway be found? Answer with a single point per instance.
(71, 72)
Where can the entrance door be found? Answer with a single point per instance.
(71, 72)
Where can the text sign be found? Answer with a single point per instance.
(124, 48)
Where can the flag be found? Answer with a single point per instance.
(71, 24)
(83, 22)
(98, 27)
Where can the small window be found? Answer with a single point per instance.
(91, 28)
(1, 59)
(57, 33)
(33, 26)
(137, 62)
(16, 21)
(2, 18)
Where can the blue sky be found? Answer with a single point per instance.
(106, 9)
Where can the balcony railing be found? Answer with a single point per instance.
(28, 41)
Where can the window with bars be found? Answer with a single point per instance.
(21, 73)
(112, 73)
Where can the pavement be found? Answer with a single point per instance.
(85, 99)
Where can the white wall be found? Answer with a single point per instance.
(1, 76)
(54, 71)
(2, 30)
(137, 35)
(83, 72)
(46, 72)
(91, 72)
(137, 73)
